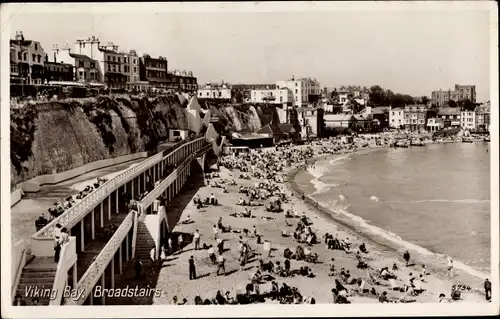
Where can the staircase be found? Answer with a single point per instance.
(37, 275)
(94, 247)
(144, 243)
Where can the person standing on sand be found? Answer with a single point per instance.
(180, 240)
(196, 237)
(170, 247)
(449, 270)
(220, 265)
(192, 269)
(138, 269)
(163, 254)
(406, 257)
(487, 289)
(215, 231)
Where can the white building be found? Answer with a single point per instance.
(214, 92)
(111, 62)
(396, 117)
(131, 68)
(281, 96)
(435, 124)
(468, 120)
(343, 98)
(304, 91)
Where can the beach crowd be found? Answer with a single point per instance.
(256, 180)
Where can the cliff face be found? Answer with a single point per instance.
(53, 137)
(243, 117)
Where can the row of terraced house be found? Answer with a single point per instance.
(90, 61)
(420, 117)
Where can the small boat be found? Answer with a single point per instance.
(467, 139)
(402, 143)
(417, 142)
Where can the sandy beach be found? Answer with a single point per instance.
(174, 275)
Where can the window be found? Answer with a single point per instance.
(34, 57)
(114, 58)
(296, 91)
(135, 61)
(80, 64)
(176, 133)
(109, 67)
(135, 69)
(39, 58)
(81, 74)
(220, 94)
(392, 113)
(119, 68)
(118, 59)
(109, 58)
(114, 68)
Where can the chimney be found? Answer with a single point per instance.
(55, 57)
(19, 36)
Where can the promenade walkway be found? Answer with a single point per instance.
(24, 213)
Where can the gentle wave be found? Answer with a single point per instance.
(400, 242)
(318, 171)
(463, 201)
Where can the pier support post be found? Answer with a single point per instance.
(127, 256)
(75, 279)
(101, 206)
(117, 201)
(132, 188)
(82, 234)
(92, 223)
(113, 272)
(103, 285)
(120, 257)
(109, 207)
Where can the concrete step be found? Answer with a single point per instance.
(35, 278)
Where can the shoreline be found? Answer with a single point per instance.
(174, 281)
(385, 246)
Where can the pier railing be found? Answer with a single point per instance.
(74, 214)
(155, 193)
(96, 269)
(67, 259)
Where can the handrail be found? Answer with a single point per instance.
(19, 271)
(134, 234)
(82, 207)
(93, 273)
(68, 257)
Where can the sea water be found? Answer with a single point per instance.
(434, 200)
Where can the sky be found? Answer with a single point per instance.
(408, 51)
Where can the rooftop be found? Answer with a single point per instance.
(79, 56)
(449, 111)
